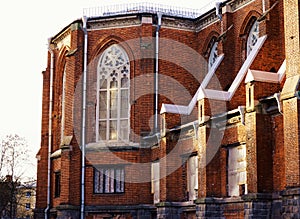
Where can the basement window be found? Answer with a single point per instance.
(109, 180)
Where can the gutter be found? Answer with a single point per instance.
(50, 128)
(84, 20)
(159, 15)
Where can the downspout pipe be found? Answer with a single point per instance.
(83, 130)
(159, 15)
(49, 128)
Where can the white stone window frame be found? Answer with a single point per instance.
(237, 170)
(213, 55)
(252, 37)
(117, 67)
(155, 181)
(109, 180)
(192, 177)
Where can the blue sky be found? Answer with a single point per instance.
(25, 28)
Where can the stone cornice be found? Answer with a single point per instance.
(114, 22)
(177, 23)
(63, 35)
(237, 4)
(206, 20)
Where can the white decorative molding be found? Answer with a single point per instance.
(186, 110)
(243, 70)
(264, 76)
(217, 94)
(116, 22)
(227, 95)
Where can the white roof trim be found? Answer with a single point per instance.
(186, 110)
(243, 70)
(214, 94)
(212, 71)
(281, 71)
(171, 108)
(264, 76)
(217, 94)
(227, 95)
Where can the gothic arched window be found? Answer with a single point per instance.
(113, 109)
(252, 37)
(213, 55)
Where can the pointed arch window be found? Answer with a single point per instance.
(252, 37)
(63, 103)
(113, 110)
(213, 55)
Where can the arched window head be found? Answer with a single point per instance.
(252, 37)
(213, 55)
(113, 108)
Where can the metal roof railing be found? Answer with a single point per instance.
(147, 7)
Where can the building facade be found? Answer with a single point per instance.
(152, 111)
(26, 198)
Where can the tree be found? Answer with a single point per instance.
(14, 153)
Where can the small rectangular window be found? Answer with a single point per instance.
(28, 194)
(57, 184)
(109, 180)
(27, 206)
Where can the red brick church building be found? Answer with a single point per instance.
(153, 111)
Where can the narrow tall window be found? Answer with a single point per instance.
(213, 55)
(63, 100)
(155, 178)
(57, 184)
(252, 37)
(237, 174)
(192, 177)
(113, 95)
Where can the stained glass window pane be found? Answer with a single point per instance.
(103, 83)
(103, 105)
(113, 130)
(124, 103)
(102, 130)
(124, 82)
(124, 129)
(114, 83)
(113, 104)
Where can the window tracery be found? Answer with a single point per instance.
(213, 55)
(113, 95)
(252, 37)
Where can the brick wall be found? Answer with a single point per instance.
(183, 59)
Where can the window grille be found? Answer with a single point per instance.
(109, 180)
